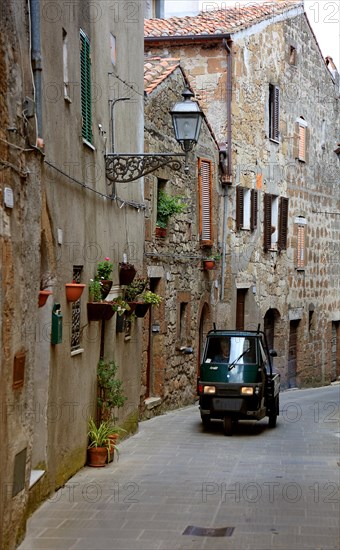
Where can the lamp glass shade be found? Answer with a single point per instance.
(187, 119)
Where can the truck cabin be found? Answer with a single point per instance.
(243, 356)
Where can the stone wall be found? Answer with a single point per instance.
(261, 55)
(174, 263)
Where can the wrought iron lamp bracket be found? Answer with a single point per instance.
(127, 167)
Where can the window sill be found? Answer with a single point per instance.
(67, 99)
(77, 352)
(88, 144)
(300, 269)
(274, 141)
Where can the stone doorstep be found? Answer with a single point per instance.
(152, 402)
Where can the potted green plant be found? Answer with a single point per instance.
(120, 305)
(98, 450)
(110, 390)
(167, 206)
(104, 271)
(210, 262)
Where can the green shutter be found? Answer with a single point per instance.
(85, 87)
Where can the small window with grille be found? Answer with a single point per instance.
(75, 326)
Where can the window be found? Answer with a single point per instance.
(75, 329)
(205, 201)
(292, 55)
(246, 208)
(301, 137)
(65, 66)
(113, 49)
(274, 112)
(301, 251)
(158, 8)
(183, 319)
(275, 222)
(85, 87)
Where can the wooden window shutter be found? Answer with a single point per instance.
(283, 223)
(205, 184)
(239, 207)
(253, 209)
(302, 143)
(267, 223)
(296, 140)
(301, 247)
(85, 87)
(274, 112)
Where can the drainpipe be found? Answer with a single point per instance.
(229, 161)
(36, 61)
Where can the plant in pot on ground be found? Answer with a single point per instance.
(167, 206)
(99, 447)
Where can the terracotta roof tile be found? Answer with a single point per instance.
(221, 21)
(156, 69)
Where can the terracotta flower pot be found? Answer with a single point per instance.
(96, 457)
(43, 295)
(99, 311)
(209, 264)
(74, 291)
(127, 274)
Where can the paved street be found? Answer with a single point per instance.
(259, 489)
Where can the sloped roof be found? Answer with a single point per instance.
(156, 69)
(223, 21)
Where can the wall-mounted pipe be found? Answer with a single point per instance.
(228, 44)
(36, 60)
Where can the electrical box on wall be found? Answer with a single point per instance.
(57, 325)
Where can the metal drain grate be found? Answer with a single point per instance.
(209, 531)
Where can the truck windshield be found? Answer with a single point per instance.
(231, 350)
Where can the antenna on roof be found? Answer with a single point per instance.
(214, 325)
(258, 327)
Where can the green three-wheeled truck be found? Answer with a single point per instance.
(236, 379)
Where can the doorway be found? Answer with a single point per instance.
(292, 354)
(240, 307)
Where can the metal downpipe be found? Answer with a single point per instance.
(36, 61)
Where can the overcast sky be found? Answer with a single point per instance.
(324, 17)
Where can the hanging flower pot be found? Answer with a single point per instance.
(99, 311)
(43, 295)
(141, 309)
(74, 291)
(209, 264)
(127, 273)
(105, 287)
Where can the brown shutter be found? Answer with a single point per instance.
(274, 112)
(296, 140)
(253, 209)
(302, 143)
(205, 177)
(301, 247)
(267, 223)
(283, 223)
(307, 137)
(239, 207)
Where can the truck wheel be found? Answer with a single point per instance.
(227, 425)
(273, 415)
(205, 420)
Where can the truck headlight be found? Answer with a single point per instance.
(209, 389)
(247, 391)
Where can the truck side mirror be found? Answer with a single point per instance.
(273, 353)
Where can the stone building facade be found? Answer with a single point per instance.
(63, 66)
(274, 107)
(174, 332)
